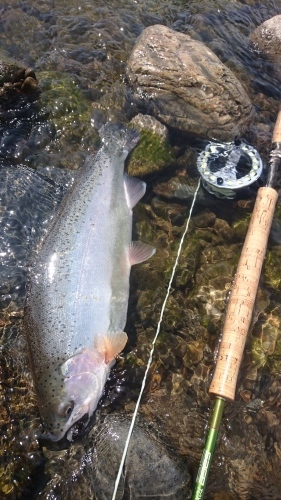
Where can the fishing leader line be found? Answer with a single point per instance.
(117, 481)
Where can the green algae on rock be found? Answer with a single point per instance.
(69, 111)
(265, 342)
(274, 359)
(272, 268)
(152, 154)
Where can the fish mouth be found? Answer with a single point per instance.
(78, 428)
(71, 431)
(50, 436)
(55, 444)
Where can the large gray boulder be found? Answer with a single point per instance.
(186, 86)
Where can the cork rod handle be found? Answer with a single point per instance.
(243, 295)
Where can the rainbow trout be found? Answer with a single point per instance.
(78, 286)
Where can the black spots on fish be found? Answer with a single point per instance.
(46, 380)
(78, 347)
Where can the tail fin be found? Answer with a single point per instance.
(116, 137)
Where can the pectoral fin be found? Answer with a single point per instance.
(112, 343)
(134, 190)
(139, 252)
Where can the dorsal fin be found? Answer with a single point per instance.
(139, 252)
(134, 190)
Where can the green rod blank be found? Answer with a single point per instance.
(207, 455)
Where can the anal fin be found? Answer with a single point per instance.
(139, 252)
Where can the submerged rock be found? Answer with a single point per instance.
(68, 112)
(266, 38)
(150, 470)
(187, 86)
(147, 122)
(153, 153)
(15, 80)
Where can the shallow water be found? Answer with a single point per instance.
(79, 51)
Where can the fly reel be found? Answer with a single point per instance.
(227, 167)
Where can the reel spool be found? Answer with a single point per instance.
(227, 167)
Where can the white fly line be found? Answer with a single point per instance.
(118, 477)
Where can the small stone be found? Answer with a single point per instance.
(7, 489)
(30, 72)
(223, 229)
(29, 85)
(246, 396)
(206, 219)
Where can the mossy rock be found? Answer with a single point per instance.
(274, 360)
(272, 268)
(262, 351)
(152, 154)
(240, 227)
(66, 107)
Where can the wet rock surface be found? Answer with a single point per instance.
(92, 466)
(266, 38)
(187, 86)
(153, 153)
(15, 80)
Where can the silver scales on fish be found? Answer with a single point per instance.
(78, 286)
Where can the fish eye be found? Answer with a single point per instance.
(65, 409)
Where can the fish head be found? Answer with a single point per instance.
(70, 391)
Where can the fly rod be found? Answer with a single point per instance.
(240, 307)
